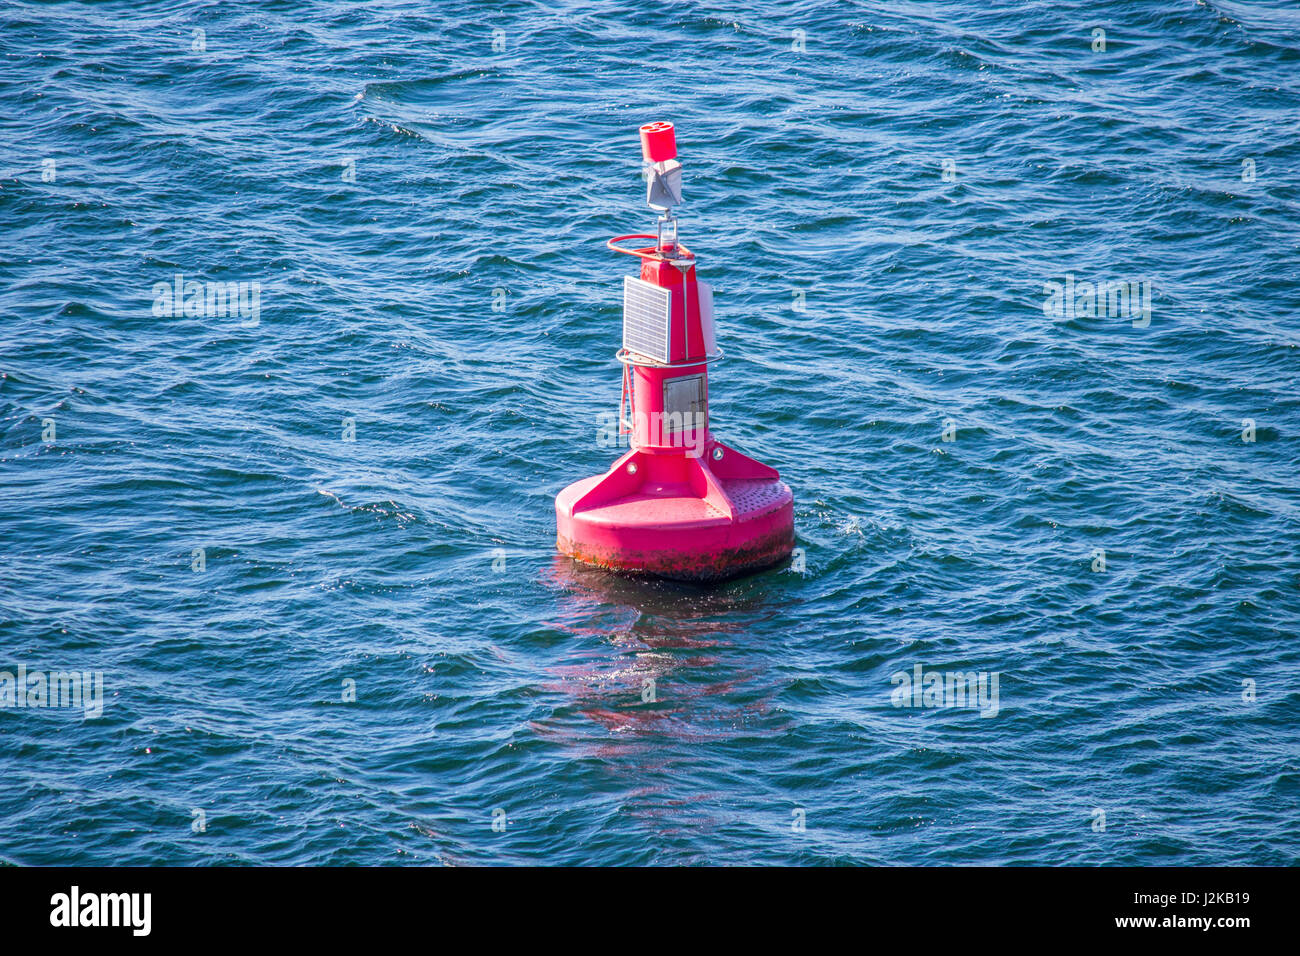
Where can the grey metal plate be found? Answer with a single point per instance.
(684, 405)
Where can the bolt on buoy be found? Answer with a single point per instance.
(679, 504)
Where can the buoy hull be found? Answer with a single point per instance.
(675, 517)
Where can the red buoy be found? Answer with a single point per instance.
(680, 504)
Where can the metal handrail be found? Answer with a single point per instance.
(626, 357)
(653, 253)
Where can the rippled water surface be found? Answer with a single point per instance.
(881, 194)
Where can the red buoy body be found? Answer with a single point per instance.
(680, 503)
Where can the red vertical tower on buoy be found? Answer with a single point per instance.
(680, 504)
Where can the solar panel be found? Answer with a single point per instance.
(647, 309)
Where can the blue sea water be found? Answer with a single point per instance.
(1099, 510)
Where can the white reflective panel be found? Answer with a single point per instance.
(647, 309)
(706, 318)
